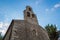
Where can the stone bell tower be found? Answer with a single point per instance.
(27, 29)
(30, 16)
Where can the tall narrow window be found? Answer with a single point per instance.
(28, 14)
(33, 15)
(29, 9)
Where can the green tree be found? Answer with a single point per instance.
(52, 31)
(0, 36)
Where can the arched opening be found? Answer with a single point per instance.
(29, 9)
(28, 14)
(33, 15)
(34, 32)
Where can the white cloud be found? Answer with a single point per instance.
(1, 24)
(36, 2)
(53, 8)
(6, 24)
(3, 32)
(47, 10)
(57, 5)
(3, 27)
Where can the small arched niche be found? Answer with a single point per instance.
(33, 16)
(34, 32)
(29, 9)
(28, 14)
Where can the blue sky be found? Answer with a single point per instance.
(47, 12)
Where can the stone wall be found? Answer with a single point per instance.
(27, 29)
(23, 30)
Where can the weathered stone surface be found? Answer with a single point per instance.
(27, 29)
(22, 30)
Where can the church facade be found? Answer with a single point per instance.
(27, 29)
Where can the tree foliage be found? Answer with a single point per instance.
(0, 36)
(52, 31)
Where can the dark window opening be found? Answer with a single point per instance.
(15, 31)
(29, 9)
(28, 14)
(33, 15)
(34, 32)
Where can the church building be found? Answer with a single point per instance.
(27, 29)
